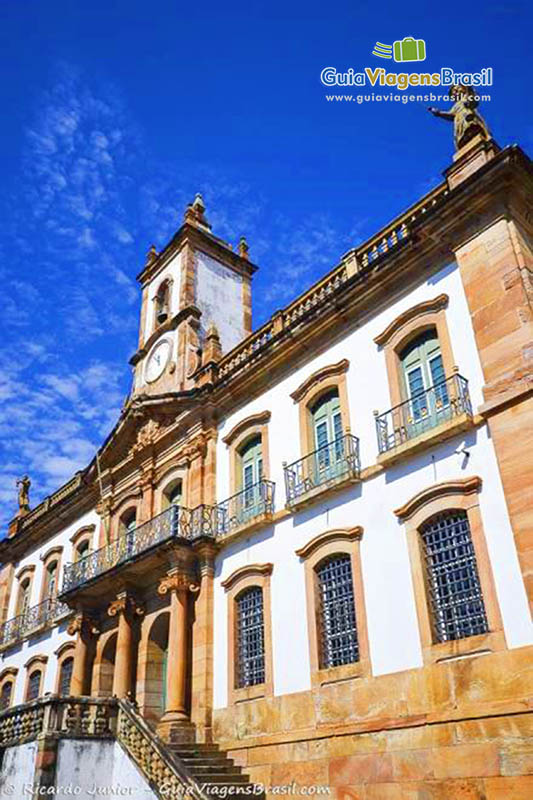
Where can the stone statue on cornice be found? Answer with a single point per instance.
(23, 486)
(467, 122)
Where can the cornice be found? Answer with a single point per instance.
(170, 325)
(415, 312)
(459, 486)
(332, 370)
(248, 571)
(201, 240)
(334, 535)
(254, 419)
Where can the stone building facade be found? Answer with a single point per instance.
(311, 544)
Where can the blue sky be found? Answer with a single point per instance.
(115, 113)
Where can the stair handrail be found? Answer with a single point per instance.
(167, 776)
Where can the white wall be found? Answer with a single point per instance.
(391, 614)
(18, 767)
(219, 298)
(47, 642)
(94, 766)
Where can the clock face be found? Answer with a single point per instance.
(157, 360)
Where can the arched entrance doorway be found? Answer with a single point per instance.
(155, 667)
(104, 665)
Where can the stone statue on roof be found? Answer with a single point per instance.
(467, 122)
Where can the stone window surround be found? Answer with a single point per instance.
(9, 675)
(169, 281)
(51, 555)
(66, 650)
(244, 578)
(407, 326)
(462, 494)
(26, 572)
(170, 476)
(35, 663)
(240, 434)
(332, 376)
(84, 534)
(337, 541)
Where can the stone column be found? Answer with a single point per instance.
(127, 608)
(202, 645)
(86, 628)
(175, 723)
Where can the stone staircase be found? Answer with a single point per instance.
(211, 769)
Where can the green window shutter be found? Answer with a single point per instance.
(251, 456)
(327, 419)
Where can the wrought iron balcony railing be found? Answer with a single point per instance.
(240, 509)
(173, 522)
(33, 619)
(327, 466)
(424, 411)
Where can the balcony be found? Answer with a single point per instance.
(248, 508)
(429, 417)
(31, 621)
(175, 522)
(331, 467)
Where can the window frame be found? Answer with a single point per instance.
(35, 664)
(461, 494)
(244, 578)
(9, 676)
(54, 555)
(65, 651)
(338, 541)
(407, 326)
(237, 439)
(309, 393)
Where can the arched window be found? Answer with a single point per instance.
(326, 420)
(250, 638)
(50, 578)
(162, 303)
(250, 501)
(337, 628)
(24, 596)
(34, 685)
(455, 598)
(424, 378)
(82, 549)
(65, 676)
(129, 521)
(5, 695)
(173, 494)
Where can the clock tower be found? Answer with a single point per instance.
(195, 282)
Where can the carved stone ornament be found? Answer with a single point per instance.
(195, 448)
(146, 436)
(178, 582)
(125, 603)
(82, 623)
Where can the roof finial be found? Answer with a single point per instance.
(243, 247)
(195, 213)
(151, 255)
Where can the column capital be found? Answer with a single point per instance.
(125, 603)
(84, 623)
(178, 581)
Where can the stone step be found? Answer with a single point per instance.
(214, 769)
(200, 761)
(220, 777)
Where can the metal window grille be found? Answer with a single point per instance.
(34, 685)
(5, 697)
(337, 622)
(66, 677)
(455, 597)
(250, 638)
